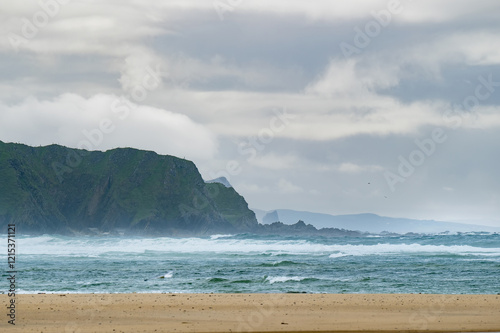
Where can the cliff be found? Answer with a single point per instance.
(55, 189)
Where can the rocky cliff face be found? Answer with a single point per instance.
(55, 189)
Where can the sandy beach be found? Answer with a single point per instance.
(254, 313)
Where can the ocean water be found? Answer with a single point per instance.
(456, 264)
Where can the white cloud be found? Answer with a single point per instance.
(102, 122)
(81, 27)
(470, 48)
(246, 114)
(348, 77)
(287, 187)
(478, 48)
(141, 69)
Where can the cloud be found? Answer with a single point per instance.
(287, 187)
(102, 122)
(485, 117)
(114, 30)
(479, 48)
(406, 10)
(81, 27)
(356, 168)
(225, 79)
(448, 10)
(347, 77)
(274, 161)
(137, 69)
(244, 187)
(246, 114)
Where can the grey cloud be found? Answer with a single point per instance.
(221, 79)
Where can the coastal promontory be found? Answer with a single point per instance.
(55, 189)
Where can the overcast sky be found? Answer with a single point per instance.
(388, 107)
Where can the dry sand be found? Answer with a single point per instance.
(253, 312)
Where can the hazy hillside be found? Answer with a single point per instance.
(368, 222)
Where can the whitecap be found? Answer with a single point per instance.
(167, 275)
(274, 279)
(94, 246)
(220, 236)
(338, 255)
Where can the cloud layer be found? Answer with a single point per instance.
(312, 100)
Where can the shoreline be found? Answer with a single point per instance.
(166, 312)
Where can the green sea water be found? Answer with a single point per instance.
(442, 264)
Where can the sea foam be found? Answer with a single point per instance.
(224, 244)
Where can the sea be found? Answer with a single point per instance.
(463, 263)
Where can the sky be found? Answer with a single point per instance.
(339, 107)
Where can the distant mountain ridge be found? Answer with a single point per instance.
(367, 222)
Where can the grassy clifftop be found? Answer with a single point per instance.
(58, 189)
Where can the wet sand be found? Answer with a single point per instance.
(253, 313)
